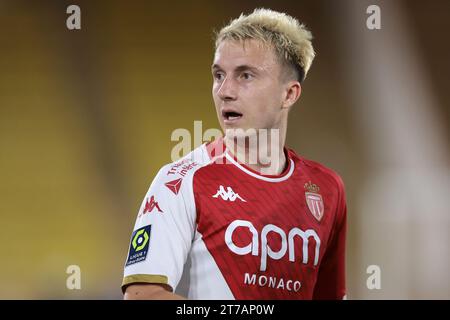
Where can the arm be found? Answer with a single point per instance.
(150, 292)
(161, 241)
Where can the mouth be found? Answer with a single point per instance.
(230, 117)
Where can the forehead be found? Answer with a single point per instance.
(232, 53)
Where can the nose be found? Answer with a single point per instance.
(227, 90)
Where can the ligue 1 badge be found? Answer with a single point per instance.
(314, 200)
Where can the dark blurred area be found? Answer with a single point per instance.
(86, 118)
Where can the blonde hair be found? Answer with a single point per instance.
(290, 39)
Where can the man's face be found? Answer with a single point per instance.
(247, 87)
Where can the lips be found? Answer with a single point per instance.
(230, 115)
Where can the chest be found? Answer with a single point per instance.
(267, 224)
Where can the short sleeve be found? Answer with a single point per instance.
(163, 232)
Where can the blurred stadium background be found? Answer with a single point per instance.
(86, 118)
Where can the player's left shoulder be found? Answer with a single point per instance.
(319, 170)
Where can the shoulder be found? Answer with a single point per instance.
(172, 188)
(334, 186)
(174, 175)
(316, 168)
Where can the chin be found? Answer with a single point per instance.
(240, 132)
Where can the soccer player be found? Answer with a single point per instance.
(215, 225)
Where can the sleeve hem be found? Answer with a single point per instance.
(144, 278)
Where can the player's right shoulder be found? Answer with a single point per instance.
(177, 175)
(171, 193)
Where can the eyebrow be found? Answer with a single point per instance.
(238, 68)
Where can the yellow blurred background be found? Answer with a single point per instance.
(86, 118)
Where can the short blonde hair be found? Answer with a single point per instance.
(290, 39)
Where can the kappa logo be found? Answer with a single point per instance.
(314, 200)
(151, 204)
(228, 195)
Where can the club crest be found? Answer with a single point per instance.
(314, 200)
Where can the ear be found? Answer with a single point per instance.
(291, 94)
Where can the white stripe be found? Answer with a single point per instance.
(318, 208)
(202, 278)
(291, 170)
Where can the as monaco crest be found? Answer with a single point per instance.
(314, 200)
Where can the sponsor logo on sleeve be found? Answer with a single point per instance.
(182, 167)
(174, 185)
(179, 169)
(139, 245)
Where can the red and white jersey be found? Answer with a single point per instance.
(212, 228)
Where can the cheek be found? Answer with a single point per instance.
(214, 95)
(266, 100)
(215, 89)
(273, 99)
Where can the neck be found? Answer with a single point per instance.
(262, 154)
